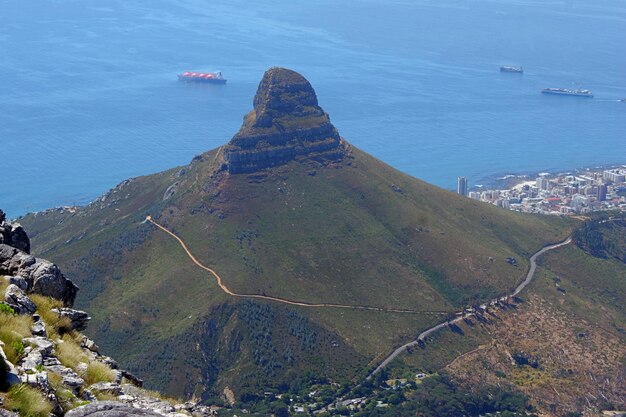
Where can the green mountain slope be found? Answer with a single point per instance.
(286, 209)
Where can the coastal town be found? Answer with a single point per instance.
(558, 194)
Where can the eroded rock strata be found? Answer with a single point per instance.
(286, 124)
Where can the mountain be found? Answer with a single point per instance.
(286, 209)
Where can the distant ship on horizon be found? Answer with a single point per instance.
(508, 68)
(204, 77)
(568, 92)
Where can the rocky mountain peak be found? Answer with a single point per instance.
(283, 92)
(286, 124)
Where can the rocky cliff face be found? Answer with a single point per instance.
(286, 124)
(46, 365)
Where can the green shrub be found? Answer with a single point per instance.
(6, 309)
(27, 401)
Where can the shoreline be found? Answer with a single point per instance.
(514, 180)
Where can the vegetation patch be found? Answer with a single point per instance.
(56, 324)
(98, 372)
(14, 328)
(69, 352)
(28, 402)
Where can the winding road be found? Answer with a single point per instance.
(422, 336)
(224, 288)
(463, 315)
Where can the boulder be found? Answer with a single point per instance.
(69, 377)
(16, 298)
(38, 328)
(48, 280)
(77, 318)
(13, 234)
(106, 387)
(110, 409)
(42, 277)
(19, 281)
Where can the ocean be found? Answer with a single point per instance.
(89, 93)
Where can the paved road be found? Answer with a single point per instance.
(224, 288)
(422, 336)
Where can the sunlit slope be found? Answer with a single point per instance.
(286, 209)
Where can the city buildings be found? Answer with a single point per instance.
(564, 194)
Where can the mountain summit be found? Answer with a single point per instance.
(286, 124)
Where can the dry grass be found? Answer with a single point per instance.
(3, 284)
(98, 372)
(14, 328)
(55, 324)
(69, 352)
(28, 402)
(160, 396)
(105, 396)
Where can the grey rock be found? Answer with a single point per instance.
(38, 380)
(43, 277)
(132, 379)
(13, 234)
(87, 343)
(40, 344)
(33, 360)
(110, 409)
(88, 395)
(119, 375)
(70, 378)
(171, 190)
(110, 362)
(77, 318)
(49, 281)
(51, 361)
(16, 297)
(39, 329)
(19, 281)
(6, 413)
(106, 387)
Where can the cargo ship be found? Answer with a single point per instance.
(568, 92)
(506, 68)
(203, 77)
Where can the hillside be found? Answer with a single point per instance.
(47, 366)
(286, 209)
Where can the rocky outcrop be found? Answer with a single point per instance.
(67, 370)
(16, 298)
(13, 234)
(41, 276)
(110, 409)
(286, 124)
(78, 319)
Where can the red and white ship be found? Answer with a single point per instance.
(203, 77)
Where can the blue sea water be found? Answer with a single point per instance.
(89, 96)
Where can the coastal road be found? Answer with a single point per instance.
(463, 315)
(224, 288)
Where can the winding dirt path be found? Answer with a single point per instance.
(463, 315)
(224, 288)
